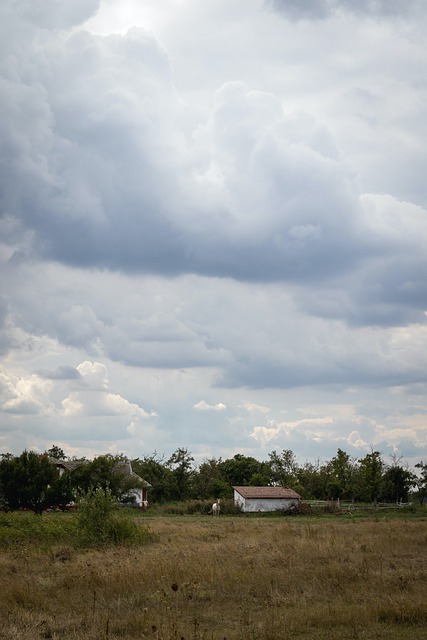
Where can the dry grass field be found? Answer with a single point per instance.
(227, 577)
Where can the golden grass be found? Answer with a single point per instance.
(233, 578)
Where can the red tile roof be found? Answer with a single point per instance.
(267, 492)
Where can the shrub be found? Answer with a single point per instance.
(96, 509)
(101, 522)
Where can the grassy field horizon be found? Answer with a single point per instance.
(266, 578)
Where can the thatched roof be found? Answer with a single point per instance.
(123, 468)
(68, 465)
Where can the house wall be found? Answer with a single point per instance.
(253, 505)
(141, 497)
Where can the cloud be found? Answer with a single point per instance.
(62, 372)
(353, 432)
(94, 375)
(204, 406)
(322, 9)
(354, 440)
(298, 10)
(24, 395)
(208, 201)
(252, 407)
(52, 14)
(91, 150)
(249, 335)
(271, 432)
(79, 403)
(93, 398)
(90, 396)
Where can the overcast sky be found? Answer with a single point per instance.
(213, 227)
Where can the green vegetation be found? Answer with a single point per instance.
(30, 481)
(25, 481)
(24, 530)
(269, 578)
(100, 522)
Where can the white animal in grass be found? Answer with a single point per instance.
(216, 507)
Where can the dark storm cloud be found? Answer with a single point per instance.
(106, 192)
(238, 208)
(96, 173)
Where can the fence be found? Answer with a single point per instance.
(349, 506)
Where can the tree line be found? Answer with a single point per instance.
(32, 481)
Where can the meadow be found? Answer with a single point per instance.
(231, 577)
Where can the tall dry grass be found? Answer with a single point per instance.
(234, 578)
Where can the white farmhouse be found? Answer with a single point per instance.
(137, 493)
(255, 499)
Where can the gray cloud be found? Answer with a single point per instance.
(313, 9)
(289, 339)
(51, 14)
(243, 225)
(322, 9)
(107, 180)
(62, 372)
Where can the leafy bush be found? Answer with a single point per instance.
(95, 515)
(100, 521)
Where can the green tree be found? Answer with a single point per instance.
(155, 471)
(181, 465)
(25, 481)
(396, 484)
(245, 471)
(341, 472)
(208, 481)
(311, 481)
(56, 452)
(421, 482)
(61, 492)
(369, 477)
(284, 468)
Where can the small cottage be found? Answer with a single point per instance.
(256, 499)
(137, 494)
